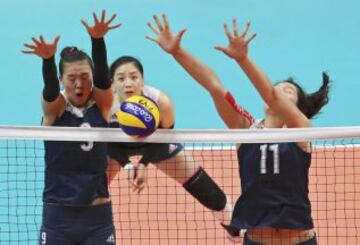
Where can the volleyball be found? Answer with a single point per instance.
(139, 116)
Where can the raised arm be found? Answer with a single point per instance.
(52, 101)
(272, 96)
(102, 93)
(203, 74)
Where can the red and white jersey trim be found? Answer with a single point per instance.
(242, 111)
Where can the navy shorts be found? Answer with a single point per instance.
(311, 241)
(121, 152)
(91, 225)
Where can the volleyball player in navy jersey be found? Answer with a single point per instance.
(274, 206)
(77, 208)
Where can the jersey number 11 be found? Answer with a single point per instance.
(276, 160)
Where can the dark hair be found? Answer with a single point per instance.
(124, 60)
(73, 54)
(311, 104)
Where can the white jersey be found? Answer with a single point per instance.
(151, 92)
(258, 124)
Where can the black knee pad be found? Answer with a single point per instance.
(232, 231)
(206, 191)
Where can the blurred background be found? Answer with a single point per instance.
(295, 38)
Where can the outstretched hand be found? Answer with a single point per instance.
(164, 37)
(100, 28)
(41, 48)
(238, 44)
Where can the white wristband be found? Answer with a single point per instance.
(129, 166)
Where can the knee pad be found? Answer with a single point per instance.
(202, 187)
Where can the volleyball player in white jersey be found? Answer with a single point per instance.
(128, 79)
(274, 206)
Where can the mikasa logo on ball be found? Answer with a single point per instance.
(139, 111)
(146, 104)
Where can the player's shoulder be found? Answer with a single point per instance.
(257, 124)
(147, 89)
(160, 97)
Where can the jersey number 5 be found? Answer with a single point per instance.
(276, 160)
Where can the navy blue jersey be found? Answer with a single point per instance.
(274, 183)
(75, 172)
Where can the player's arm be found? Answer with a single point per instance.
(167, 120)
(203, 74)
(52, 101)
(238, 50)
(137, 176)
(166, 109)
(102, 93)
(113, 169)
(288, 110)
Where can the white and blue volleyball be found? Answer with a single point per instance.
(139, 116)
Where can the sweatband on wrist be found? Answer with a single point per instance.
(51, 88)
(101, 68)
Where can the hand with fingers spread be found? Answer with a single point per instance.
(41, 48)
(164, 37)
(238, 44)
(100, 28)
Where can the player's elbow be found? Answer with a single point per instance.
(215, 86)
(272, 98)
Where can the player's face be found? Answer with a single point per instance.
(127, 81)
(77, 81)
(288, 90)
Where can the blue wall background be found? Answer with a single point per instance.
(295, 38)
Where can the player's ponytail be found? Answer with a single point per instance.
(311, 104)
(318, 99)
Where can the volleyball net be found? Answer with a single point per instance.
(164, 213)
